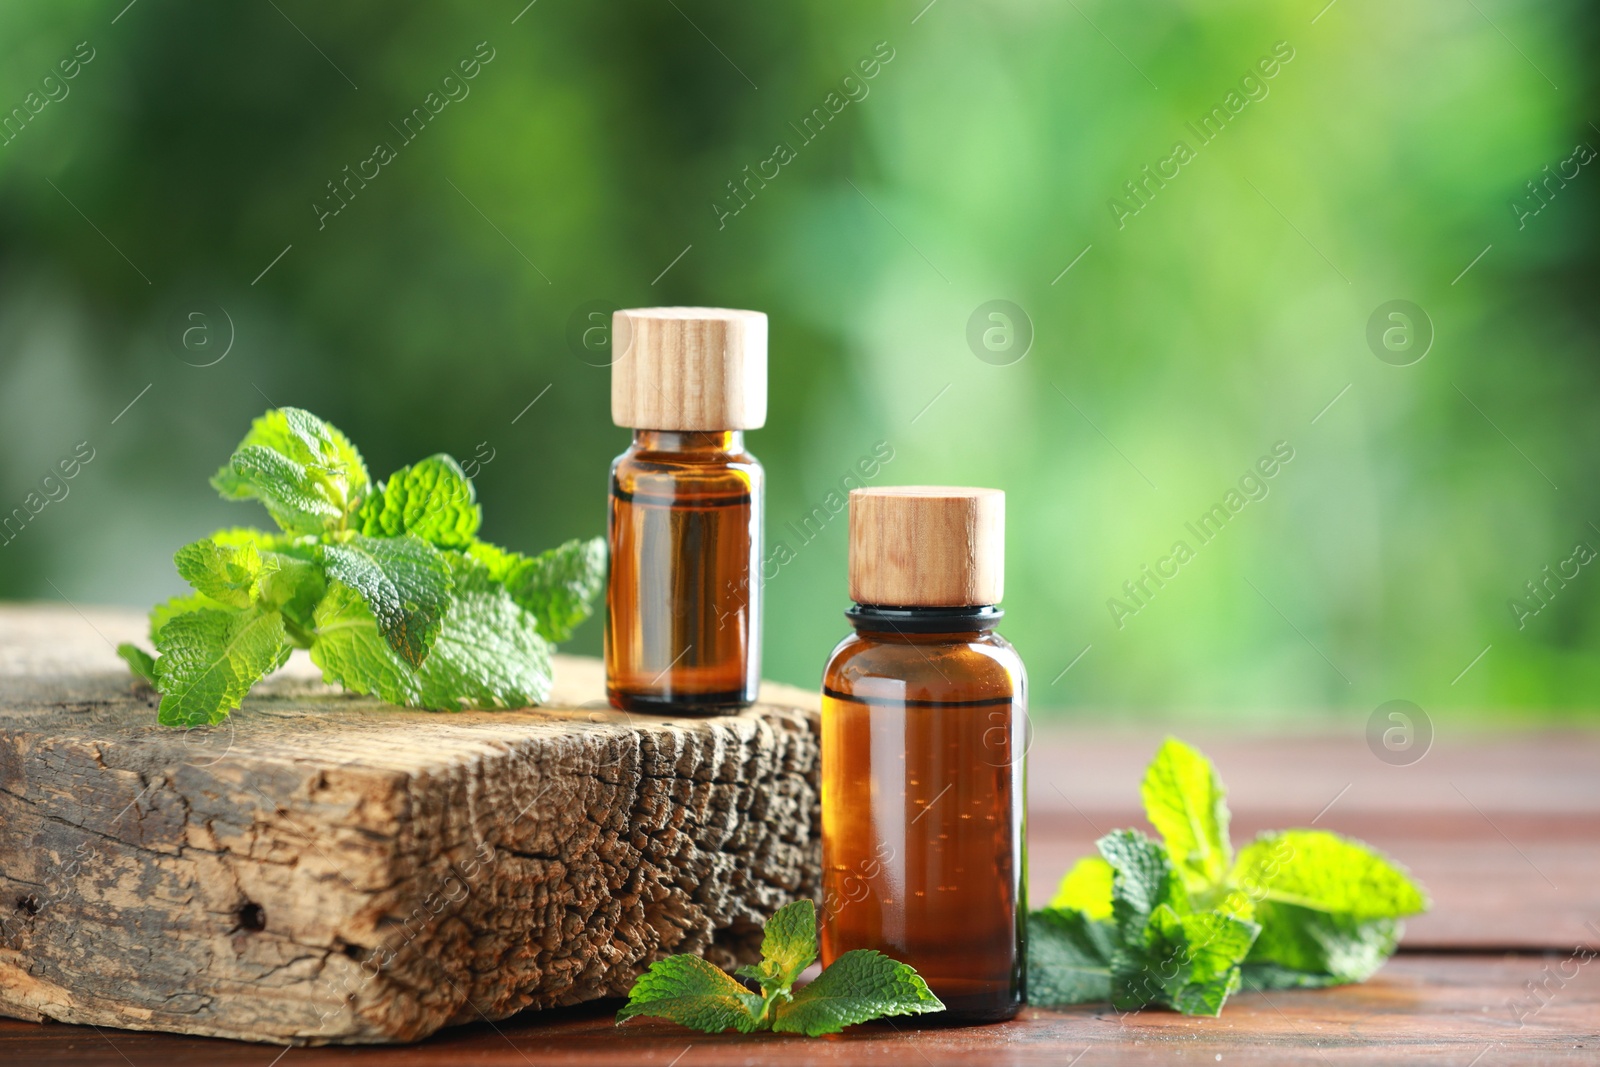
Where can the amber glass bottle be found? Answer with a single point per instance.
(683, 599)
(923, 712)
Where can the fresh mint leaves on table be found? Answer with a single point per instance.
(860, 985)
(1183, 923)
(386, 584)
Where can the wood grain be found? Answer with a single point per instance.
(689, 368)
(933, 546)
(326, 868)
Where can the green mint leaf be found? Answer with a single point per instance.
(167, 610)
(1142, 880)
(209, 660)
(559, 587)
(140, 662)
(1069, 957)
(404, 580)
(486, 654)
(1337, 948)
(239, 536)
(497, 562)
(433, 499)
(1325, 872)
(1329, 907)
(1086, 888)
(387, 586)
(1266, 977)
(307, 473)
(285, 487)
(291, 579)
(1135, 983)
(346, 644)
(291, 575)
(1185, 801)
(1299, 909)
(228, 574)
(1197, 957)
(862, 984)
(788, 946)
(293, 586)
(691, 992)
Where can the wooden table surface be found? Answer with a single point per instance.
(1504, 831)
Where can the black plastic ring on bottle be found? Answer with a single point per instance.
(950, 620)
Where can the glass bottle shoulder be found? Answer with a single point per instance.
(932, 667)
(687, 467)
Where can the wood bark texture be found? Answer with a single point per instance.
(323, 868)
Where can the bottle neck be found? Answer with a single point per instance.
(689, 442)
(956, 621)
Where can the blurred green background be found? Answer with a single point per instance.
(587, 165)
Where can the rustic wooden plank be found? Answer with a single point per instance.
(1419, 1009)
(1501, 828)
(329, 868)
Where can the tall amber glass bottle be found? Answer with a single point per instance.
(683, 600)
(923, 712)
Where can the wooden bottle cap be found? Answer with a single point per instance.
(689, 369)
(927, 546)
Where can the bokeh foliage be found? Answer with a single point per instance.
(1220, 319)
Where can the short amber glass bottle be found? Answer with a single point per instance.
(683, 598)
(923, 714)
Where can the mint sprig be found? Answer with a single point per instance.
(387, 585)
(861, 984)
(1182, 924)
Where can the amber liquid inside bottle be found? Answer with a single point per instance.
(922, 811)
(683, 600)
